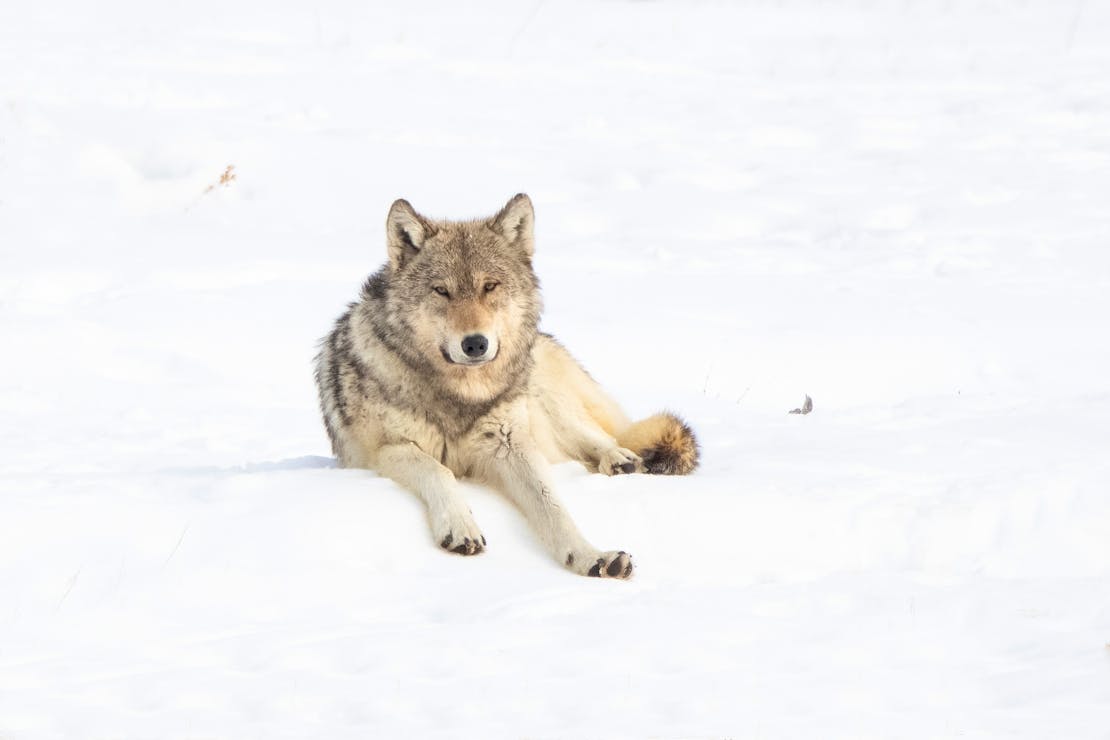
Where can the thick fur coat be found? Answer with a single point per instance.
(439, 372)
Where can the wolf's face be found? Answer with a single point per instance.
(464, 292)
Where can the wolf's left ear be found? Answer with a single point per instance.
(515, 222)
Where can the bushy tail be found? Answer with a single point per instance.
(665, 442)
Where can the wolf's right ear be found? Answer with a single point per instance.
(406, 231)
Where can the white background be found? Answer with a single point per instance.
(900, 208)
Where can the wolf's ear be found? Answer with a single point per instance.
(406, 231)
(515, 222)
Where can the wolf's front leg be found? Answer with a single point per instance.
(452, 524)
(514, 466)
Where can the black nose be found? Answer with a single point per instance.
(475, 345)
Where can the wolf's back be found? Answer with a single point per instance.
(329, 375)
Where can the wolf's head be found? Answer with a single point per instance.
(461, 295)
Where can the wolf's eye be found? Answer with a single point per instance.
(441, 290)
(490, 285)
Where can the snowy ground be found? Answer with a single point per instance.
(899, 208)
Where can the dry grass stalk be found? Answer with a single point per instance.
(225, 179)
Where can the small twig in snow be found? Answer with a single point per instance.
(1074, 23)
(69, 587)
(225, 181)
(175, 547)
(523, 27)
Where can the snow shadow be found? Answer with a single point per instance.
(304, 462)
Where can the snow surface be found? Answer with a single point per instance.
(899, 208)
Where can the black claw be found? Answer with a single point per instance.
(628, 570)
(614, 567)
(446, 544)
(595, 571)
(483, 540)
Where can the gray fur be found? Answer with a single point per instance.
(399, 396)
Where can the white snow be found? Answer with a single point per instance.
(897, 207)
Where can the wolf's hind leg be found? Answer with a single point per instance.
(578, 416)
(519, 471)
(453, 526)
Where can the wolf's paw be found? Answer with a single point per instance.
(612, 564)
(619, 461)
(461, 535)
(465, 546)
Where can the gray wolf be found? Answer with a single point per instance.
(439, 372)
